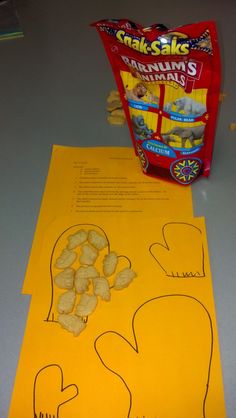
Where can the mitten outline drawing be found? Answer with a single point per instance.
(161, 251)
(51, 315)
(51, 373)
(134, 350)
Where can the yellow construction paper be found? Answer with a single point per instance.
(151, 351)
(102, 180)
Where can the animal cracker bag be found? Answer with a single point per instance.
(169, 83)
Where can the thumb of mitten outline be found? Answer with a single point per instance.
(182, 253)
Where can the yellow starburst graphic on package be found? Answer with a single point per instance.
(186, 170)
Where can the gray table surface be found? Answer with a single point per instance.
(53, 83)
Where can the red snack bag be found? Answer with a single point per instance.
(169, 83)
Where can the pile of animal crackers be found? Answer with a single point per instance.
(82, 279)
(116, 114)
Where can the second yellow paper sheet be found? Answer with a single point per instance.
(151, 351)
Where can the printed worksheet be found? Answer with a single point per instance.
(123, 321)
(102, 180)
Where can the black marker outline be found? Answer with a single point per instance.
(136, 348)
(51, 259)
(183, 275)
(41, 414)
(84, 225)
